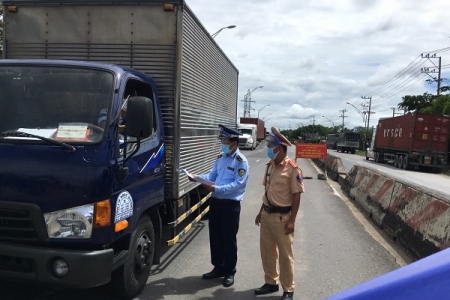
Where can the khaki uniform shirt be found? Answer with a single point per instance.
(281, 182)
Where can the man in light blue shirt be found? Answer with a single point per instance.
(229, 174)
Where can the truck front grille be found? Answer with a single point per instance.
(242, 140)
(20, 222)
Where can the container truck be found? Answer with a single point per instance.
(83, 204)
(248, 138)
(347, 142)
(260, 130)
(332, 139)
(413, 140)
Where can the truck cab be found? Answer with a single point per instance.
(248, 140)
(74, 193)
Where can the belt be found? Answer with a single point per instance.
(277, 209)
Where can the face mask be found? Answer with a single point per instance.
(225, 149)
(271, 154)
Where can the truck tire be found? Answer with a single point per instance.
(400, 161)
(395, 161)
(353, 151)
(405, 165)
(129, 280)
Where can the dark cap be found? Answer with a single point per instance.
(226, 132)
(276, 138)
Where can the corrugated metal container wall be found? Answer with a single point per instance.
(414, 132)
(113, 34)
(209, 83)
(431, 133)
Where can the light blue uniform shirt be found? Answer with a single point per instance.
(230, 174)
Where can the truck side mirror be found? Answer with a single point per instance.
(139, 117)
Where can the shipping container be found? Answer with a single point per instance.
(260, 131)
(415, 139)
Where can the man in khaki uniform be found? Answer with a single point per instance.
(283, 181)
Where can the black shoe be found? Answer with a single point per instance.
(213, 274)
(288, 296)
(267, 289)
(228, 280)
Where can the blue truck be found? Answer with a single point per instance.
(87, 193)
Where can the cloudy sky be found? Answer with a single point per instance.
(314, 56)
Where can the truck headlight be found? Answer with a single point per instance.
(73, 223)
(250, 141)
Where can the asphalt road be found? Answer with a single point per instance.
(335, 248)
(436, 184)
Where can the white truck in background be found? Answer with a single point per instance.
(248, 138)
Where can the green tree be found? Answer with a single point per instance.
(439, 105)
(416, 102)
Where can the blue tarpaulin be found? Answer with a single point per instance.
(428, 278)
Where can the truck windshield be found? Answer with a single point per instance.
(60, 103)
(245, 131)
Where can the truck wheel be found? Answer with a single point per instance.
(400, 161)
(130, 279)
(395, 161)
(405, 165)
(353, 151)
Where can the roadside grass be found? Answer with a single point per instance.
(361, 153)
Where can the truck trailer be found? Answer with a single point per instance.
(260, 130)
(347, 142)
(85, 201)
(332, 139)
(413, 140)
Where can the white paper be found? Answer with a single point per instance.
(198, 179)
(47, 133)
(72, 132)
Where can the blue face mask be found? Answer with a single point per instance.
(271, 154)
(225, 149)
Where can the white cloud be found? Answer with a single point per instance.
(314, 56)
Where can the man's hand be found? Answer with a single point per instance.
(210, 188)
(258, 219)
(192, 178)
(289, 227)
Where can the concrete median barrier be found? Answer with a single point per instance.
(419, 220)
(332, 165)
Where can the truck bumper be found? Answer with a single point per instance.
(34, 264)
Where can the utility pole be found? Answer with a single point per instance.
(438, 71)
(394, 113)
(314, 122)
(343, 116)
(369, 112)
(247, 104)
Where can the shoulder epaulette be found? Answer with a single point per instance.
(220, 155)
(293, 164)
(239, 158)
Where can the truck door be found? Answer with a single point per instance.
(145, 179)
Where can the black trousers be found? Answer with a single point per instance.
(223, 228)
